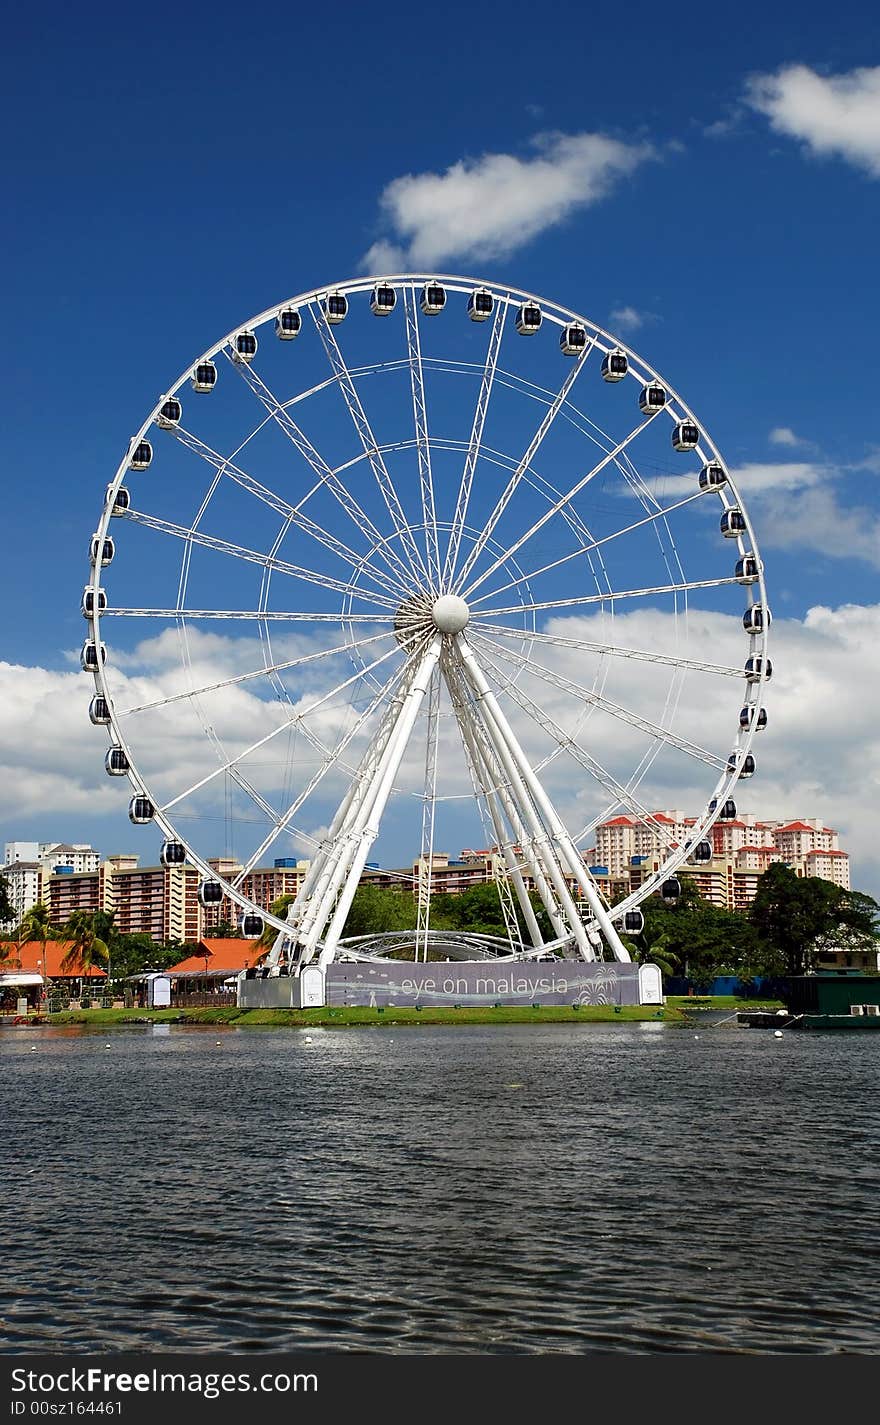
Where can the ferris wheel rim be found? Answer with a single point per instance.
(638, 368)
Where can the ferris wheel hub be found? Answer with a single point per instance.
(450, 614)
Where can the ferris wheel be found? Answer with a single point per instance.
(399, 565)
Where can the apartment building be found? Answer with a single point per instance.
(631, 848)
(263, 885)
(28, 865)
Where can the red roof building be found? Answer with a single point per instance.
(216, 956)
(45, 960)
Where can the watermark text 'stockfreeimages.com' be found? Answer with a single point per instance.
(73, 1389)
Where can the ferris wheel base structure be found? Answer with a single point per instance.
(400, 984)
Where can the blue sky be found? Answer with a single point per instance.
(175, 172)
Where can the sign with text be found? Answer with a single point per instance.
(469, 982)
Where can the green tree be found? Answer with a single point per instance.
(224, 930)
(702, 940)
(35, 926)
(8, 958)
(87, 949)
(376, 910)
(131, 953)
(476, 911)
(801, 915)
(656, 952)
(6, 908)
(278, 908)
(104, 922)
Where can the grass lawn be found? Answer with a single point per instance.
(675, 1011)
(345, 1017)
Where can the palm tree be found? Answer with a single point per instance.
(8, 959)
(658, 953)
(35, 927)
(6, 910)
(277, 908)
(86, 948)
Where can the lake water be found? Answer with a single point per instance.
(627, 1188)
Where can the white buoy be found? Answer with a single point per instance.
(777, 1034)
(308, 1038)
(33, 1048)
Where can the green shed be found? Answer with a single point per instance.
(831, 994)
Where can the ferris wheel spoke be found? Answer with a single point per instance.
(554, 509)
(476, 440)
(250, 791)
(293, 514)
(331, 758)
(297, 719)
(492, 793)
(259, 615)
(253, 556)
(368, 441)
(622, 795)
(568, 685)
(617, 650)
(534, 445)
(423, 446)
(659, 513)
(265, 670)
(613, 596)
(551, 839)
(327, 477)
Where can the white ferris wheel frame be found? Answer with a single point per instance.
(513, 795)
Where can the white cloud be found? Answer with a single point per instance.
(628, 318)
(722, 128)
(838, 114)
(51, 758)
(817, 520)
(820, 755)
(756, 478)
(489, 206)
(784, 435)
(385, 257)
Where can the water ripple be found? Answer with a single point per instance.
(505, 1189)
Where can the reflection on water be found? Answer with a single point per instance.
(566, 1188)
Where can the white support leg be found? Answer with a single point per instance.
(569, 855)
(426, 854)
(338, 841)
(366, 827)
(524, 839)
(520, 792)
(486, 781)
(324, 862)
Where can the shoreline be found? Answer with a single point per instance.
(675, 1011)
